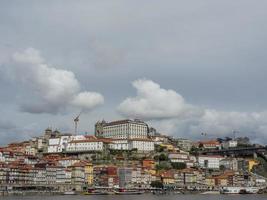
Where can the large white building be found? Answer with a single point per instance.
(87, 145)
(123, 129)
(59, 144)
(209, 162)
(143, 145)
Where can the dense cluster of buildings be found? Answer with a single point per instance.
(126, 153)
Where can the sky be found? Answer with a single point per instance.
(185, 67)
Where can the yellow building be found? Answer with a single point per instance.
(167, 178)
(210, 181)
(169, 147)
(88, 171)
(252, 163)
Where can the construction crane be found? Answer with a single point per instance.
(76, 120)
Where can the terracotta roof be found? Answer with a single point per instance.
(212, 142)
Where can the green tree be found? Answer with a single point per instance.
(178, 165)
(159, 148)
(163, 157)
(164, 165)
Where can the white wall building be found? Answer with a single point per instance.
(57, 145)
(69, 161)
(229, 144)
(143, 145)
(182, 157)
(119, 145)
(209, 162)
(85, 145)
(123, 129)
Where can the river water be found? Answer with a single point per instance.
(139, 197)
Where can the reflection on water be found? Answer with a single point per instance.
(140, 197)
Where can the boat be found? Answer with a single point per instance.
(97, 192)
(211, 192)
(249, 190)
(239, 190)
(128, 192)
(69, 193)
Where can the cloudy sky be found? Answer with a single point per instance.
(185, 67)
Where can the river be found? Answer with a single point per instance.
(139, 197)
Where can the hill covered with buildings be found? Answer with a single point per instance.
(129, 154)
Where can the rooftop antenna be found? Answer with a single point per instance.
(76, 120)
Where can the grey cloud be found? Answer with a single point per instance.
(7, 125)
(212, 52)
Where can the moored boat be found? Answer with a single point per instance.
(239, 190)
(69, 193)
(97, 192)
(211, 192)
(128, 192)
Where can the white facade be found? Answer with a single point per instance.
(229, 144)
(53, 149)
(184, 144)
(85, 145)
(209, 162)
(124, 129)
(30, 150)
(178, 157)
(67, 162)
(182, 157)
(141, 145)
(119, 145)
(57, 145)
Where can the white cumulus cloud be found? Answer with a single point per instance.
(154, 102)
(168, 111)
(88, 100)
(56, 88)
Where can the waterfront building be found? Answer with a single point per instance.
(88, 173)
(167, 178)
(125, 176)
(3, 173)
(40, 177)
(188, 177)
(51, 174)
(106, 176)
(78, 175)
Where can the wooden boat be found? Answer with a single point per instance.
(128, 192)
(98, 192)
